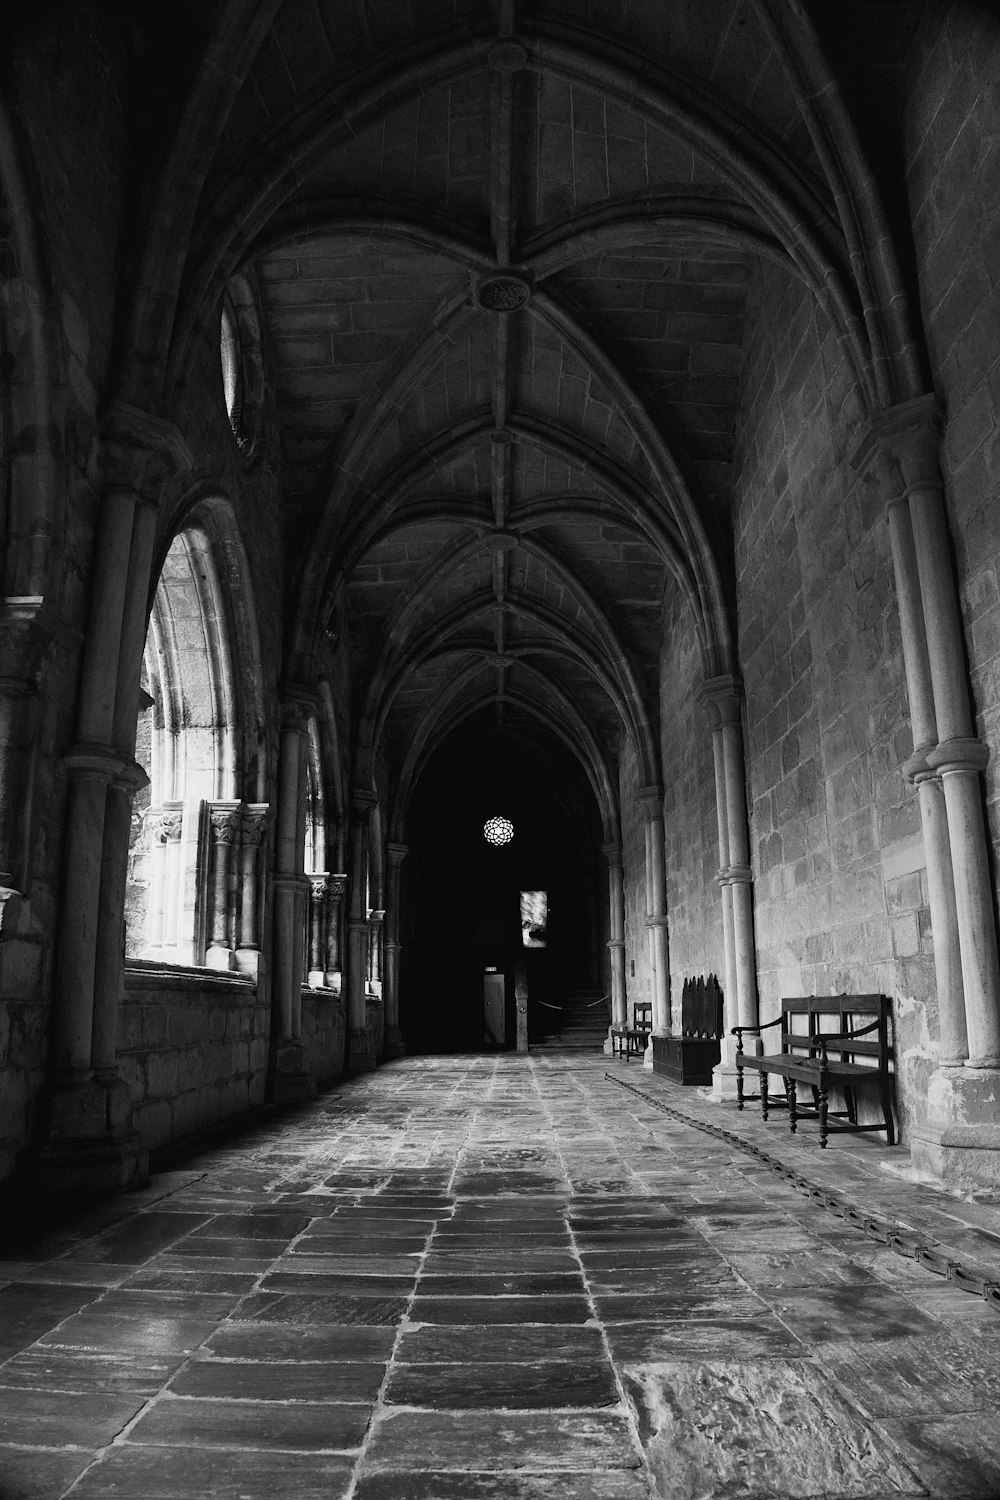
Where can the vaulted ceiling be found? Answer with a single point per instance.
(503, 256)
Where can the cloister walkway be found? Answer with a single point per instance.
(498, 1277)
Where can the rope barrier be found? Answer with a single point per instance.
(897, 1237)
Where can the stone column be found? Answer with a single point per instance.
(616, 942)
(336, 886)
(721, 697)
(318, 914)
(360, 1056)
(290, 1078)
(253, 826)
(652, 800)
(376, 930)
(959, 1138)
(224, 829)
(394, 1046)
(91, 1142)
(930, 789)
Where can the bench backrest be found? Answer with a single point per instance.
(809, 1015)
(701, 1007)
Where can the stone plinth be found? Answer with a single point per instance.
(959, 1142)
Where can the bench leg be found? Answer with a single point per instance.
(852, 1105)
(890, 1131)
(790, 1095)
(739, 1088)
(763, 1093)
(823, 1103)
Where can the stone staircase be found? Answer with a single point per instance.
(579, 1025)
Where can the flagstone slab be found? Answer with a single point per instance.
(158, 1336)
(544, 1385)
(184, 1473)
(586, 1440)
(405, 1484)
(954, 1456)
(640, 1343)
(283, 1342)
(28, 1311)
(483, 1311)
(55, 1419)
(239, 1380)
(205, 1422)
(45, 1368)
(456, 1344)
(28, 1473)
(749, 1430)
(309, 1308)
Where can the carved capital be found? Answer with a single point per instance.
(901, 449)
(337, 886)
(141, 452)
(720, 697)
(253, 824)
(225, 821)
(165, 824)
(318, 886)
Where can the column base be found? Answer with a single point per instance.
(66, 1170)
(360, 1057)
(609, 1046)
(394, 1044)
(290, 1078)
(959, 1142)
(724, 1081)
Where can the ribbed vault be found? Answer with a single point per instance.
(504, 254)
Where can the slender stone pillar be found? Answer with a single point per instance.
(318, 913)
(290, 1078)
(360, 1057)
(652, 800)
(224, 827)
(253, 827)
(959, 1136)
(376, 929)
(336, 886)
(930, 790)
(394, 1046)
(616, 942)
(720, 696)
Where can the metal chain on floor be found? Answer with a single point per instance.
(889, 1232)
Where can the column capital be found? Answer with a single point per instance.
(225, 820)
(376, 916)
(615, 943)
(362, 801)
(298, 705)
(652, 799)
(612, 853)
(337, 886)
(721, 696)
(253, 824)
(901, 446)
(397, 853)
(317, 885)
(140, 452)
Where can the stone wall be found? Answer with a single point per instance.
(841, 897)
(694, 904)
(193, 1048)
(637, 973)
(324, 1033)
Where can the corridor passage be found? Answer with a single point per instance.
(494, 1277)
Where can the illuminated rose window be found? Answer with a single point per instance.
(498, 831)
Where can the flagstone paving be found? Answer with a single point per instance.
(464, 1278)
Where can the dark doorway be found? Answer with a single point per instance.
(464, 914)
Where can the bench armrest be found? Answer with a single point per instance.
(737, 1031)
(844, 1036)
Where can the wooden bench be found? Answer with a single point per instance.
(690, 1056)
(631, 1040)
(848, 1057)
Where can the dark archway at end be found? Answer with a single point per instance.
(463, 916)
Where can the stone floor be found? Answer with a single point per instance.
(495, 1277)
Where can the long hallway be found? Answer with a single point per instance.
(492, 1276)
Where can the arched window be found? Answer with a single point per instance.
(179, 909)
